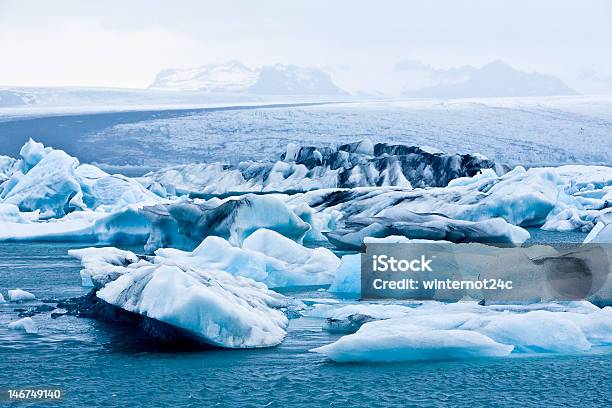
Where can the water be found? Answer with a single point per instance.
(106, 365)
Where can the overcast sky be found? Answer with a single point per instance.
(125, 43)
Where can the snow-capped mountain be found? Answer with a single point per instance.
(491, 80)
(230, 77)
(234, 77)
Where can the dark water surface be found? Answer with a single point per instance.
(98, 364)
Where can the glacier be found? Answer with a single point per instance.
(467, 330)
(202, 304)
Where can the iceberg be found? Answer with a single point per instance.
(425, 226)
(8, 166)
(538, 197)
(185, 224)
(467, 330)
(55, 184)
(265, 256)
(402, 341)
(305, 168)
(18, 295)
(202, 304)
(347, 280)
(26, 324)
(125, 225)
(102, 265)
(600, 234)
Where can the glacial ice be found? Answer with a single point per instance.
(397, 341)
(8, 166)
(184, 224)
(102, 265)
(18, 295)
(465, 330)
(426, 226)
(348, 276)
(125, 225)
(600, 234)
(2, 300)
(54, 183)
(304, 168)
(567, 197)
(210, 305)
(265, 256)
(26, 324)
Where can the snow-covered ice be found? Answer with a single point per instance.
(466, 330)
(55, 184)
(207, 304)
(26, 324)
(19, 295)
(102, 265)
(185, 224)
(564, 198)
(212, 305)
(265, 256)
(304, 168)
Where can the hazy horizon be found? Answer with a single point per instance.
(360, 44)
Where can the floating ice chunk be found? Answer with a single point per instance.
(210, 305)
(2, 300)
(26, 324)
(126, 225)
(533, 332)
(426, 226)
(18, 295)
(10, 213)
(558, 198)
(265, 256)
(601, 234)
(49, 186)
(397, 340)
(8, 166)
(348, 279)
(185, 225)
(102, 265)
(32, 153)
(573, 327)
(54, 183)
